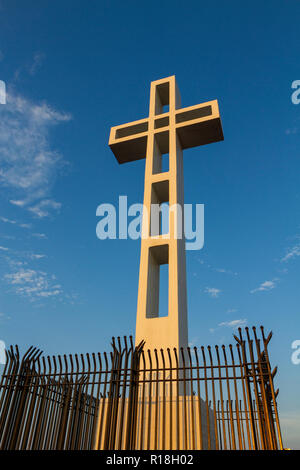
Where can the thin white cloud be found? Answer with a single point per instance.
(14, 222)
(36, 256)
(225, 271)
(36, 63)
(7, 237)
(7, 221)
(33, 284)
(234, 323)
(39, 235)
(265, 286)
(292, 130)
(17, 203)
(291, 253)
(231, 310)
(28, 164)
(25, 225)
(20, 257)
(212, 291)
(42, 209)
(218, 270)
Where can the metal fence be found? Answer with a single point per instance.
(133, 398)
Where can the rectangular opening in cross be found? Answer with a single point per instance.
(158, 282)
(162, 98)
(159, 217)
(131, 130)
(161, 153)
(193, 114)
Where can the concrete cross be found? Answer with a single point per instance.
(165, 131)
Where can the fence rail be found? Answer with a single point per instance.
(133, 398)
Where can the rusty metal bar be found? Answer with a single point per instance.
(199, 400)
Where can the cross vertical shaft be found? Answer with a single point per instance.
(171, 330)
(164, 132)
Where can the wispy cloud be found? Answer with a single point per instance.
(231, 310)
(292, 252)
(265, 286)
(212, 291)
(19, 258)
(28, 163)
(37, 256)
(39, 235)
(14, 222)
(33, 284)
(218, 270)
(43, 208)
(36, 63)
(27, 276)
(7, 221)
(234, 323)
(292, 130)
(225, 271)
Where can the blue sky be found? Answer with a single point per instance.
(73, 69)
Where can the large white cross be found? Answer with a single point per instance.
(162, 133)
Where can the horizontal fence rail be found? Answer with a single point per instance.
(134, 398)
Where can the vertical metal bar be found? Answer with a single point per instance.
(156, 430)
(114, 362)
(199, 398)
(171, 399)
(58, 386)
(247, 410)
(206, 398)
(264, 437)
(66, 397)
(241, 342)
(220, 429)
(228, 425)
(125, 369)
(61, 405)
(53, 399)
(229, 401)
(27, 417)
(86, 445)
(269, 386)
(177, 402)
(192, 399)
(142, 432)
(101, 427)
(83, 398)
(236, 399)
(213, 396)
(270, 375)
(133, 396)
(221, 398)
(184, 398)
(115, 390)
(242, 420)
(266, 391)
(149, 400)
(35, 404)
(261, 383)
(163, 401)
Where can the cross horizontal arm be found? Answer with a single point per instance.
(195, 125)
